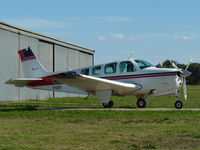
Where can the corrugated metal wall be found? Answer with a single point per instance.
(61, 55)
(8, 64)
(52, 57)
(85, 59)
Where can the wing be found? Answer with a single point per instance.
(21, 82)
(91, 84)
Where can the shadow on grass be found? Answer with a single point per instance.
(5, 108)
(127, 107)
(9, 108)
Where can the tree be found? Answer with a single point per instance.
(194, 79)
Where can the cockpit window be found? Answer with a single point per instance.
(126, 66)
(143, 64)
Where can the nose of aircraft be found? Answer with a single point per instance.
(184, 73)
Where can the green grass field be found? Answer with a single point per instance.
(24, 127)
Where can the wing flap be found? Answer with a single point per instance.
(21, 82)
(92, 84)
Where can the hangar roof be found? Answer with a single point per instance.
(40, 36)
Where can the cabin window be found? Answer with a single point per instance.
(96, 70)
(110, 68)
(85, 71)
(126, 66)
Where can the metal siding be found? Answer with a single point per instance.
(61, 58)
(45, 56)
(90, 60)
(85, 60)
(61, 64)
(8, 64)
(73, 63)
(73, 59)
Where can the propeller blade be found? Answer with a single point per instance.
(188, 64)
(184, 88)
(175, 66)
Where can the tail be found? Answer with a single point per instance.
(31, 66)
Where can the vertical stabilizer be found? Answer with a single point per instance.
(31, 66)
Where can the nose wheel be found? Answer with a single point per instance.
(178, 104)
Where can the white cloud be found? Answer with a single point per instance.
(184, 37)
(36, 23)
(118, 19)
(101, 38)
(117, 36)
(121, 36)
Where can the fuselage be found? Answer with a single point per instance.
(155, 81)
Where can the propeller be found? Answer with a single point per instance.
(183, 75)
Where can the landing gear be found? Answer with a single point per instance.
(109, 104)
(105, 98)
(141, 103)
(178, 104)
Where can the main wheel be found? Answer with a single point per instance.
(109, 104)
(178, 104)
(141, 103)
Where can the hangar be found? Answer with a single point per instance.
(54, 55)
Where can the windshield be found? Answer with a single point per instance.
(143, 64)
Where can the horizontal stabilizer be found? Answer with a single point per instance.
(21, 82)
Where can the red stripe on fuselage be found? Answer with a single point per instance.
(144, 76)
(47, 81)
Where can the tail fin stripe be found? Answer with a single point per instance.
(26, 54)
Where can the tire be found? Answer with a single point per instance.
(141, 103)
(178, 104)
(109, 104)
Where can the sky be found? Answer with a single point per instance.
(153, 30)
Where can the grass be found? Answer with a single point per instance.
(24, 127)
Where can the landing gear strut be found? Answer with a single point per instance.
(109, 104)
(141, 103)
(178, 104)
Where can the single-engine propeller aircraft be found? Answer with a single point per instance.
(126, 77)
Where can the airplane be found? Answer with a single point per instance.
(120, 78)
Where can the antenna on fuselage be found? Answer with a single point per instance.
(131, 56)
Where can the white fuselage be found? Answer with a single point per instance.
(154, 81)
